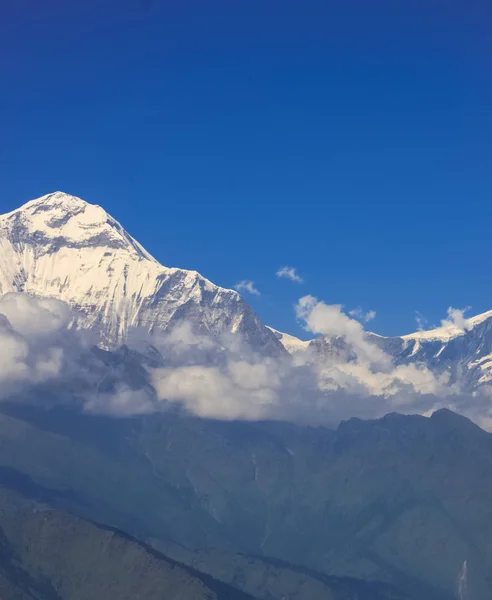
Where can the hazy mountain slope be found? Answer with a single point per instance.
(39, 542)
(403, 499)
(373, 499)
(270, 579)
(52, 555)
(62, 247)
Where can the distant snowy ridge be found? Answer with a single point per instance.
(449, 331)
(62, 247)
(465, 353)
(444, 333)
(290, 342)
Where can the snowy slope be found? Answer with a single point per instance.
(60, 246)
(449, 331)
(465, 353)
(290, 342)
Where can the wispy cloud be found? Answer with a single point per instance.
(247, 286)
(289, 273)
(422, 321)
(361, 315)
(456, 320)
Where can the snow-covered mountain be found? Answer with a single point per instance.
(465, 351)
(60, 246)
(290, 342)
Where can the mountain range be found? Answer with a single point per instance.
(465, 353)
(62, 247)
(385, 509)
(166, 504)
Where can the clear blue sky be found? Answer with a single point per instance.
(349, 139)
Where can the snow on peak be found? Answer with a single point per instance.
(290, 342)
(449, 330)
(54, 200)
(51, 212)
(59, 219)
(60, 246)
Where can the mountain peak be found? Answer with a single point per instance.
(60, 219)
(57, 198)
(56, 201)
(60, 246)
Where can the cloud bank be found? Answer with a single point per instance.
(343, 373)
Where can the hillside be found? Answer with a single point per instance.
(49, 554)
(403, 499)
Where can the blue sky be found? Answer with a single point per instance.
(351, 140)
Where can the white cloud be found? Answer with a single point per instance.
(240, 390)
(247, 286)
(347, 375)
(289, 273)
(35, 317)
(33, 340)
(331, 321)
(353, 363)
(344, 374)
(456, 319)
(364, 316)
(229, 381)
